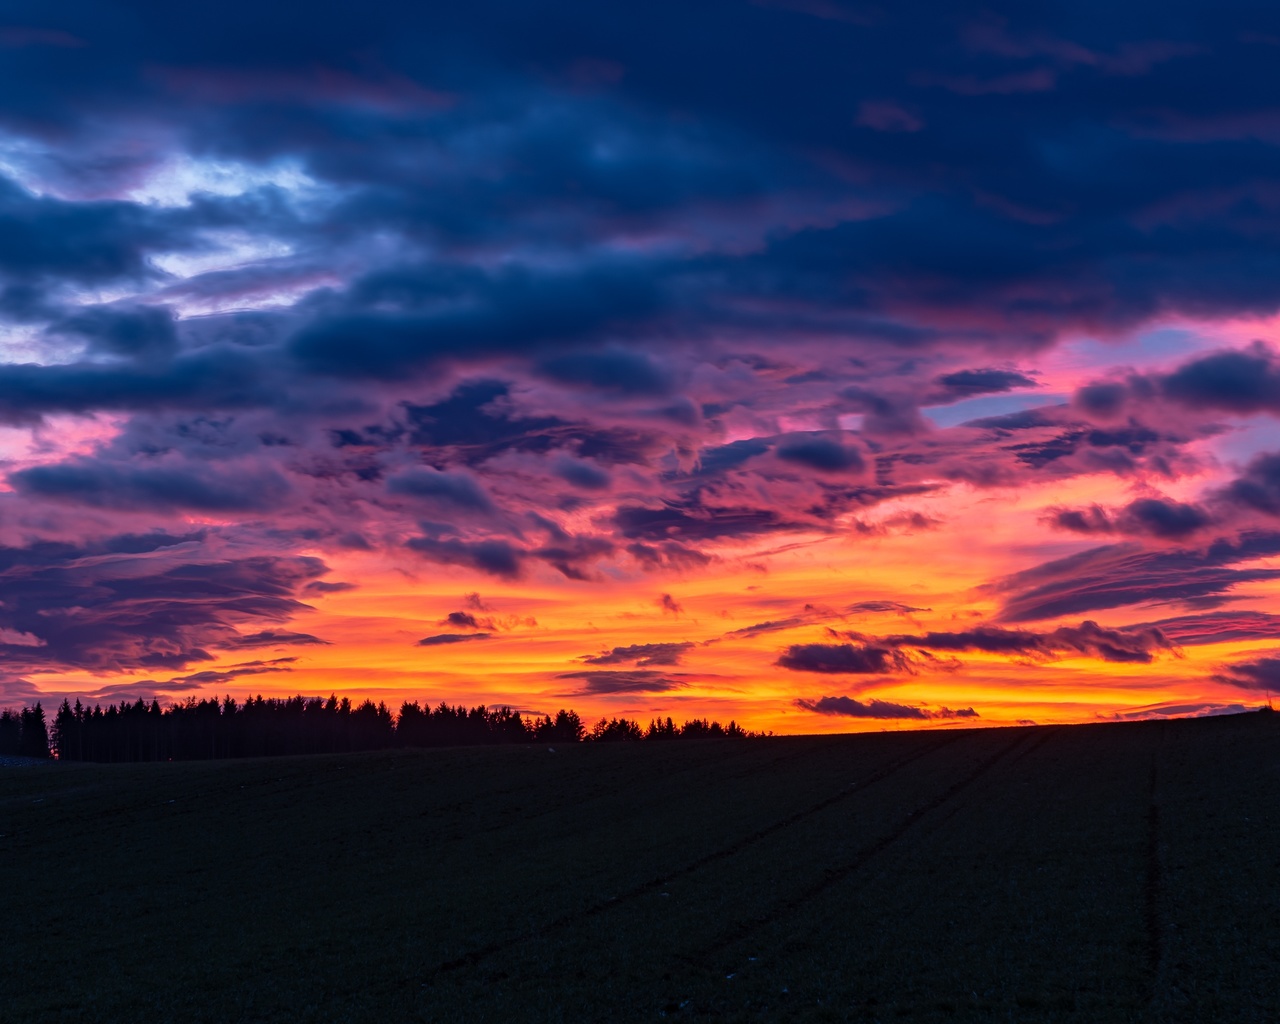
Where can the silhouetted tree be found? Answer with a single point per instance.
(412, 725)
(701, 729)
(66, 732)
(615, 729)
(566, 727)
(210, 727)
(35, 734)
(10, 732)
(661, 730)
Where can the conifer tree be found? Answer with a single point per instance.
(35, 733)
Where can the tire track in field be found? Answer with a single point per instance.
(832, 876)
(1153, 888)
(475, 956)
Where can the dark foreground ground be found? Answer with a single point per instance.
(1097, 873)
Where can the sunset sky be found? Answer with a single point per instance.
(816, 364)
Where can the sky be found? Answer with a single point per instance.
(816, 364)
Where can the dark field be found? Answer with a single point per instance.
(1094, 873)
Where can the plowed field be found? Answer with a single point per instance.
(1090, 873)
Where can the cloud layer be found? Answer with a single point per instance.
(877, 344)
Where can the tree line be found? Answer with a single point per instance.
(214, 727)
(24, 733)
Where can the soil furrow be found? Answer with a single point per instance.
(477, 955)
(832, 876)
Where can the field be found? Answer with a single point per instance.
(1091, 873)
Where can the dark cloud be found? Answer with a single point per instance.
(1196, 709)
(130, 602)
(716, 459)
(149, 688)
(626, 373)
(211, 379)
(668, 555)
(1093, 519)
(457, 489)
(43, 237)
(997, 234)
(139, 485)
(1217, 627)
(215, 677)
(1104, 400)
(852, 708)
(324, 587)
(809, 615)
(272, 638)
(885, 416)
(452, 638)
(1260, 674)
(669, 605)
(573, 556)
(1078, 448)
(642, 655)
(473, 416)
(124, 330)
(581, 474)
(823, 454)
(874, 708)
(477, 424)
(479, 421)
(884, 606)
(462, 315)
(1132, 645)
(1168, 520)
(954, 713)
(495, 557)
(462, 620)
(1151, 517)
(1258, 488)
(637, 681)
(864, 659)
(771, 626)
(1233, 381)
(1017, 422)
(1241, 382)
(962, 384)
(696, 522)
(1118, 575)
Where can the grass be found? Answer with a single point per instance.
(1093, 873)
